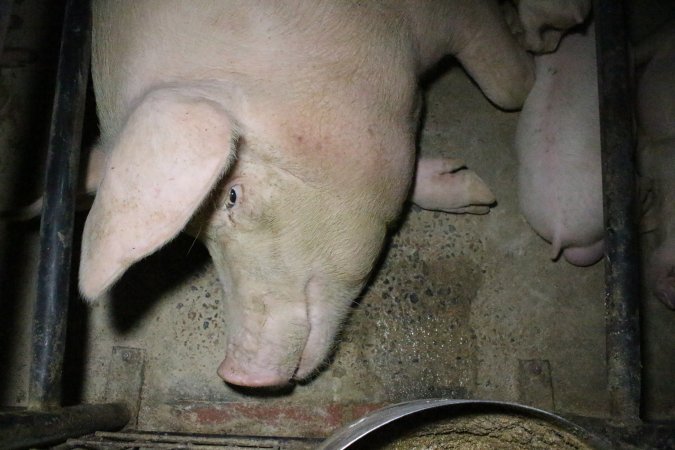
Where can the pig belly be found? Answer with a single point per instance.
(558, 147)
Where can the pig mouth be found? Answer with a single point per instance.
(324, 318)
(282, 351)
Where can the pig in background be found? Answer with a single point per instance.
(656, 147)
(558, 147)
(282, 136)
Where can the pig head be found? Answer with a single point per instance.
(656, 149)
(281, 134)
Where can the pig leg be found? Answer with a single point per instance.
(658, 160)
(491, 55)
(665, 289)
(445, 184)
(662, 266)
(89, 181)
(545, 21)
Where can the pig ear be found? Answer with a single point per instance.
(168, 156)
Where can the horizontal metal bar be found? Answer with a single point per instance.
(149, 439)
(23, 429)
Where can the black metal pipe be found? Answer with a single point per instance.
(24, 429)
(56, 231)
(5, 17)
(622, 271)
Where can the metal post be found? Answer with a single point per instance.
(622, 271)
(51, 306)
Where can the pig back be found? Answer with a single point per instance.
(288, 51)
(304, 81)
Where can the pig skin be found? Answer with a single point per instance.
(282, 135)
(656, 147)
(558, 146)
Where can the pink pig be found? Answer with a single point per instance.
(558, 145)
(282, 135)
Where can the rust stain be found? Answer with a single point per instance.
(316, 420)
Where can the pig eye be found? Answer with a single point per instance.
(233, 196)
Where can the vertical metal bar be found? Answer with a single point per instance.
(5, 17)
(56, 231)
(622, 269)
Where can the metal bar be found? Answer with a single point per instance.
(37, 428)
(158, 439)
(177, 438)
(56, 231)
(5, 17)
(622, 271)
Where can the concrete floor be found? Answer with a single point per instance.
(462, 306)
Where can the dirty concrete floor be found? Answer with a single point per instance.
(461, 306)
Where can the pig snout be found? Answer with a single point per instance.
(277, 341)
(263, 351)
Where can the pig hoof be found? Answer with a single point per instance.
(665, 289)
(445, 184)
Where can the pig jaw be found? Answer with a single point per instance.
(325, 319)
